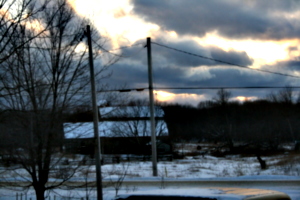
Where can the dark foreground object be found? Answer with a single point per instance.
(211, 193)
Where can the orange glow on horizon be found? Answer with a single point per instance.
(184, 98)
(164, 96)
(243, 98)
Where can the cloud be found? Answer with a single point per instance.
(291, 66)
(233, 19)
(176, 69)
(190, 54)
(234, 57)
(229, 18)
(136, 76)
(170, 77)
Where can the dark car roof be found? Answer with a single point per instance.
(212, 193)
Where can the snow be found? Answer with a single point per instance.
(197, 168)
(86, 130)
(108, 128)
(129, 111)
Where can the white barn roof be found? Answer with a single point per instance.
(129, 112)
(120, 128)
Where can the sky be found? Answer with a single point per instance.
(254, 34)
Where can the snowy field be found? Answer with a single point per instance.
(283, 167)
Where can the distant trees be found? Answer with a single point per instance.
(260, 124)
(43, 76)
(222, 97)
(184, 122)
(288, 101)
(126, 128)
(283, 96)
(134, 121)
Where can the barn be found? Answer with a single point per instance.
(123, 130)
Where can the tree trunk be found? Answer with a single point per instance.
(39, 192)
(263, 164)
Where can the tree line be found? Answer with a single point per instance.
(263, 124)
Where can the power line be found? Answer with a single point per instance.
(199, 88)
(125, 47)
(71, 91)
(109, 51)
(224, 62)
(227, 87)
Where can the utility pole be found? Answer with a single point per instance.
(151, 96)
(95, 118)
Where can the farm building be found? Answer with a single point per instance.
(123, 130)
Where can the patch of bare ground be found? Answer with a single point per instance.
(292, 157)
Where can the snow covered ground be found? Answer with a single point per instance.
(283, 167)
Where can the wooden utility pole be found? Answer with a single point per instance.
(151, 96)
(95, 118)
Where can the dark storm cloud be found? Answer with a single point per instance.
(170, 77)
(220, 77)
(129, 75)
(182, 59)
(235, 57)
(289, 70)
(175, 69)
(136, 75)
(233, 19)
(289, 66)
(234, 77)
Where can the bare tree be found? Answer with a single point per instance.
(134, 121)
(13, 15)
(44, 79)
(116, 176)
(87, 173)
(283, 96)
(222, 97)
(224, 126)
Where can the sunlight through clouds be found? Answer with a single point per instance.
(256, 34)
(114, 20)
(184, 98)
(243, 98)
(164, 96)
(263, 52)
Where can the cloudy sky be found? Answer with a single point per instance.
(259, 35)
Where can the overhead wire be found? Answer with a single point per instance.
(227, 87)
(196, 55)
(210, 88)
(224, 62)
(167, 88)
(115, 54)
(125, 47)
